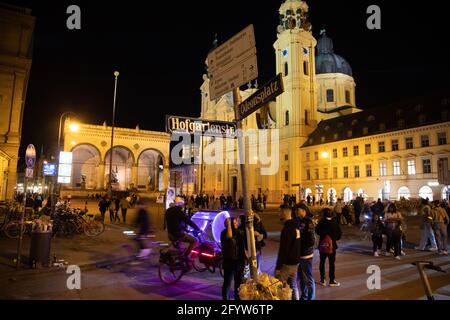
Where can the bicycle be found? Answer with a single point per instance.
(173, 263)
(92, 225)
(207, 255)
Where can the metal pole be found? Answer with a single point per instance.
(201, 168)
(116, 74)
(247, 208)
(425, 282)
(19, 245)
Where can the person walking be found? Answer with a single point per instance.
(329, 232)
(358, 205)
(440, 222)
(338, 210)
(427, 229)
(305, 268)
(116, 209)
(289, 252)
(233, 262)
(264, 201)
(396, 239)
(124, 205)
(144, 225)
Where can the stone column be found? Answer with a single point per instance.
(101, 175)
(11, 178)
(165, 177)
(134, 175)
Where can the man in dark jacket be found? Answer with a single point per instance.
(289, 252)
(176, 222)
(328, 229)
(305, 272)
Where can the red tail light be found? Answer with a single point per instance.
(207, 254)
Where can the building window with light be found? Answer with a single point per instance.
(356, 171)
(424, 141)
(316, 174)
(409, 143)
(426, 163)
(286, 157)
(308, 174)
(286, 175)
(325, 173)
(442, 138)
(345, 152)
(368, 149)
(335, 155)
(383, 169)
(335, 172)
(287, 118)
(396, 167)
(395, 145)
(411, 167)
(368, 170)
(307, 156)
(381, 146)
(330, 95)
(306, 117)
(316, 155)
(286, 69)
(345, 172)
(356, 150)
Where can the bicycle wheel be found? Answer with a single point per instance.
(12, 229)
(198, 266)
(170, 274)
(94, 228)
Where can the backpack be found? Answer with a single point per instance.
(326, 245)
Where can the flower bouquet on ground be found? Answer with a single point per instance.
(43, 224)
(264, 288)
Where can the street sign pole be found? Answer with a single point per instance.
(22, 222)
(247, 208)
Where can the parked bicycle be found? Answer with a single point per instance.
(207, 255)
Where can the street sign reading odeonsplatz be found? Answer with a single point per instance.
(175, 124)
(261, 97)
(232, 64)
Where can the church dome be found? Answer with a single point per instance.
(327, 61)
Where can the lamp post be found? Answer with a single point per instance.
(326, 154)
(116, 75)
(74, 128)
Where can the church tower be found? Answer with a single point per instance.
(296, 108)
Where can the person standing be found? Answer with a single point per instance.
(338, 210)
(143, 223)
(308, 200)
(427, 231)
(313, 200)
(103, 206)
(377, 234)
(264, 201)
(329, 232)
(233, 262)
(116, 209)
(305, 268)
(260, 236)
(124, 205)
(289, 252)
(357, 205)
(441, 220)
(392, 219)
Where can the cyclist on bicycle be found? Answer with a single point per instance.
(176, 222)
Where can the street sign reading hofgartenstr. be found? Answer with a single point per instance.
(261, 97)
(232, 64)
(177, 124)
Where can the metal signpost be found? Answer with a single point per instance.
(30, 160)
(231, 65)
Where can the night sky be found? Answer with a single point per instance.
(160, 48)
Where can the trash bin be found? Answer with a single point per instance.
(40, 248)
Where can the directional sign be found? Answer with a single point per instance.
(29, 173)
(232, 51)
(233, 63)
(175, 124)
(233, 78)
(261, 97)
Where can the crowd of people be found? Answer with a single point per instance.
(222, 202)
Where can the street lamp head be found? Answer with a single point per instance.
(325, 154)
(116, 74)
(74, 127)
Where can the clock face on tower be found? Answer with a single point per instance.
(305, 51)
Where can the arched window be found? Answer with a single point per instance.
(287, 118)
(286, 69)
(403, 192)
(426, 192)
